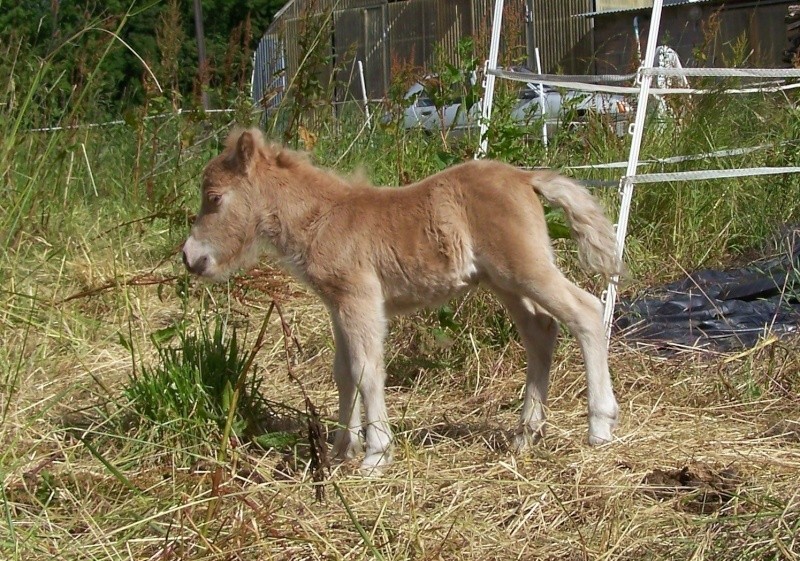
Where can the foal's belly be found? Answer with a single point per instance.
(405, 297)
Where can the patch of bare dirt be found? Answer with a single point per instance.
(696, 488)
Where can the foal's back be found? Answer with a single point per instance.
(426, 242)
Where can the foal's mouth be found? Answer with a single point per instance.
(204, 261)
(200, 262)
(209, 274)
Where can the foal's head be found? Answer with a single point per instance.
(225, 234)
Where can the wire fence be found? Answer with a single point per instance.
(643, 77)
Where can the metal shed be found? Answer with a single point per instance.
(704, 33)
(384, 34)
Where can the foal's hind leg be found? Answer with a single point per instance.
(538, 331)
(541, 281)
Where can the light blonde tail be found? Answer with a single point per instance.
(592, 230)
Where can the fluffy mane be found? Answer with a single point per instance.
(292, 159)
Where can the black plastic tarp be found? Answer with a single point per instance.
(718, 310)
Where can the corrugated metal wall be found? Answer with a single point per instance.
(557, 32)
(360, 34)
(382, 33)
(418, 27)
(686, 29)
(269, 78)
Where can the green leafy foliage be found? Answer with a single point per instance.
(311, 88)
(146, 40)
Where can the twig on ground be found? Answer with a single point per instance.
(316, 431)
(144, 279)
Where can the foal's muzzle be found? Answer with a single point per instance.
(198, 266)
(196, 256)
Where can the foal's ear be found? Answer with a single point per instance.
(246, 148)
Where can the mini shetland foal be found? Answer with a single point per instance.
(371, 253)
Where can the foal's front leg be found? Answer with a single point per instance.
(361, 325)
(347, 443)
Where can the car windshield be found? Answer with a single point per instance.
(531, 91)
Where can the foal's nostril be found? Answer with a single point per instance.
(198, 266)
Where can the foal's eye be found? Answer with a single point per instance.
(214, 198)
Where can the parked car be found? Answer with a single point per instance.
(560, 106)
(422, 111)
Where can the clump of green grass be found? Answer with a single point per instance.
(191, 390)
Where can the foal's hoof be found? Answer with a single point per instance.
(526, 438)
(346, 446)
(375, 464)
(600, 429)
(345, 454)
(595, 440)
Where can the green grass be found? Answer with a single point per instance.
(191, 382)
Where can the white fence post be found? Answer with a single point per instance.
(542, 100)
(363, 89)
(488, 90)
(626, 183)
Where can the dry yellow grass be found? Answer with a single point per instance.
(454, 491)
(705, 466)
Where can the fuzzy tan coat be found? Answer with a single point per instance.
(370, 253)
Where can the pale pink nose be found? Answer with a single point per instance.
(198, 266)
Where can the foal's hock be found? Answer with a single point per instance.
(370, 253)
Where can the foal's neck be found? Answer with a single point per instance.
(309, 194)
